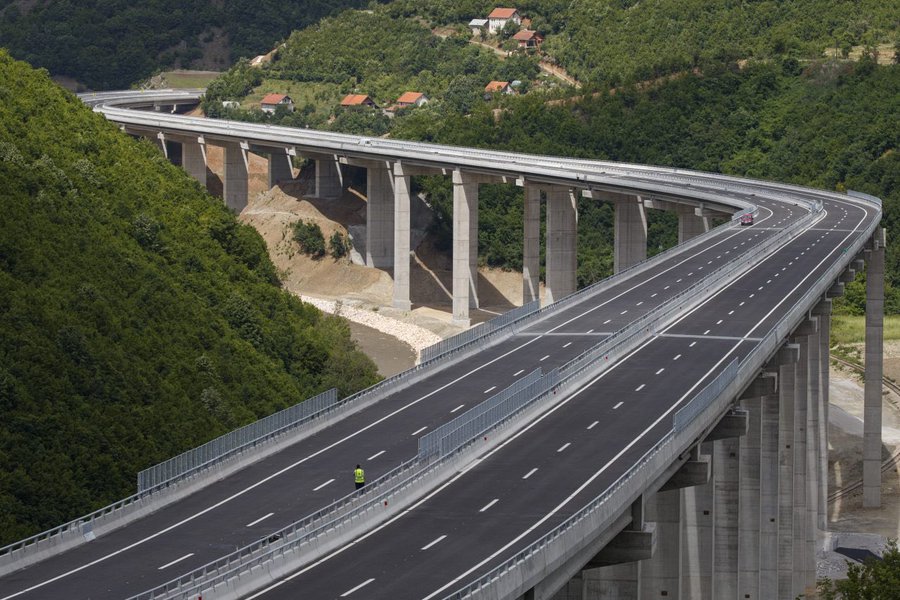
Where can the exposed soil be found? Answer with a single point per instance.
(273, 213)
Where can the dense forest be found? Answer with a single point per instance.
(112, 44)
(618, 41)
(138, 317)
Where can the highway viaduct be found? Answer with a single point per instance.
(688, 444)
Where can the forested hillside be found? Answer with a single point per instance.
(833, 125)
(138, 318)
(615, 41)
(112, 44)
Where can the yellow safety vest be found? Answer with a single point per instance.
(359, 476)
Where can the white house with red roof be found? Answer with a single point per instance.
(499, 17)
(411, 99)
(272, 101)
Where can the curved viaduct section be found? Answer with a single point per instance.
(659, 434)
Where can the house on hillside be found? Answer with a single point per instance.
(409, 99)
(497, 87)
(499, 17)
(351, 100)
(478, 26)
(272, 101)
(528, 39)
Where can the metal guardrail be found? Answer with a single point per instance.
(599, 510)
(479, 332)
(346, 512)
(239, 440)
(479, 419)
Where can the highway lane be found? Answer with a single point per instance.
(269, 495)
(523, 489)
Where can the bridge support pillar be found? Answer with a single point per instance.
(661, 573)
(697, 535)
(562, 239)
(465, 246)
(803, 551)
(874, 371)
(690, 225)
(725, 517)
(786, 398)
(823, 311)
(193, 158)
(768, 497)
(402, 185)
(234, 178)
(531, 247)
(813, 423)
(280, 168)
(630, 243)
(380, 215)
(329, 180)
(749, 521)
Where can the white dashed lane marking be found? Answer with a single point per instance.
(490, 389)
(564, 446)
(376, 455)
(357, 588)
(592, 425)
(259, 520)
(640, 387)
(177, 560)
(433, 542)
(489, 504)
(529, 473)
(418, 431)
(329, 482)
(457, 408)
(618, 405)
(661, 370)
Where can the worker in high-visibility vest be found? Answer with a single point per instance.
(359, 477)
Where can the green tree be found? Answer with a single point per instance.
(309, 237)
(873, 580)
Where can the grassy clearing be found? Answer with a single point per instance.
(188, 79)
(852, 330)
(324, 97)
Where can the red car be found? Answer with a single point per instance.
(746, 220)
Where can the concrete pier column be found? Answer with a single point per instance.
(690, 225)
(802, 551)
(465, 246)
(562, 241)
(787, 381)
(281, 169)
(531, 246)
(193, 158)
(812, 455)
(615, 582)
(661, 574)
(329, 180)
(401, 237)
(749, 505)
(874, 371)
(823, 311)
(697, 536)
(379, 215)
(630, 244)
(235, 176)
(768, 498)
(725, 528)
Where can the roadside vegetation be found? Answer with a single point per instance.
(138, 317)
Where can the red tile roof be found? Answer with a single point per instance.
(495, 86)
(273, 99)
(502, 13)
(355, 100)
(409, 97)
(526, 35)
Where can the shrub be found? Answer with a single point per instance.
(338, 245)
(308, 236)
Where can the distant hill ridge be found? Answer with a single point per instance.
(138, 318)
